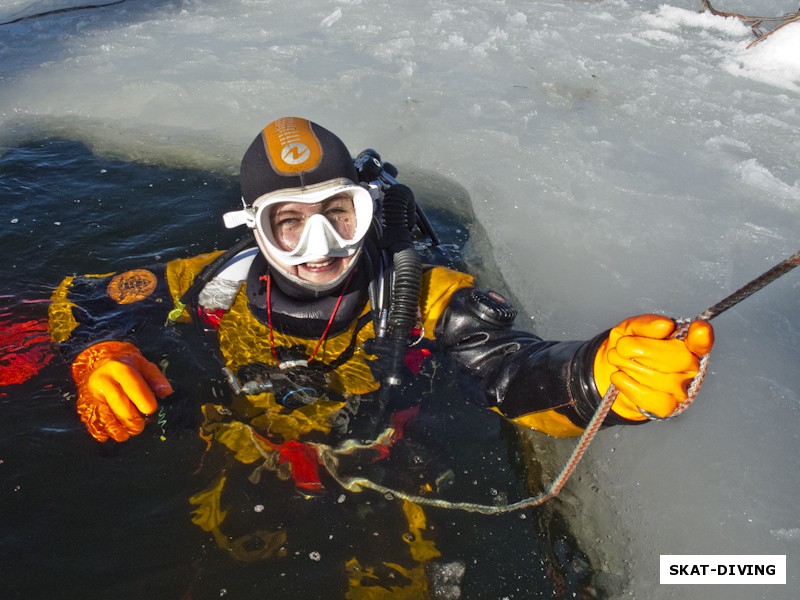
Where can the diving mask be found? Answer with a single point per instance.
(335, 229)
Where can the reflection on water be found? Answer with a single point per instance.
(89, 520)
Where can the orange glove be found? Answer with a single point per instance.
(116, 386)
(651, 370)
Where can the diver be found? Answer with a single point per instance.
(330, 306)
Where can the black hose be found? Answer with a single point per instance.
(399, 214)
(403, 309)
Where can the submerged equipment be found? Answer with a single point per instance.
(329, 456)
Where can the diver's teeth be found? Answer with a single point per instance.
(320, 264)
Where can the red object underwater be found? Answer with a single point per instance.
(24, 350)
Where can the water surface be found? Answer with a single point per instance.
(89, 520)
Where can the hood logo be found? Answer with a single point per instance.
(295, 153)
(292, 146)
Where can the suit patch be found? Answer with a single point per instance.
(132, 286)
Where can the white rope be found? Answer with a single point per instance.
(328, 456)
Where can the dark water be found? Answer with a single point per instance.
(85, 520)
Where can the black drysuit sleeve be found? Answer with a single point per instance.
(523, 373)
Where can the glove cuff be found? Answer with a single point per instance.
(584, 389)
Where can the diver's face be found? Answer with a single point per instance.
(288, 221)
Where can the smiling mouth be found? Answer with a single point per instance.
(320, 265)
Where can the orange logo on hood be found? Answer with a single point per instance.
(292, 146)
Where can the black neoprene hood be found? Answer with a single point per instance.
(293, 153)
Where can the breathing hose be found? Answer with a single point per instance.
(399, 214)
(329, 456)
